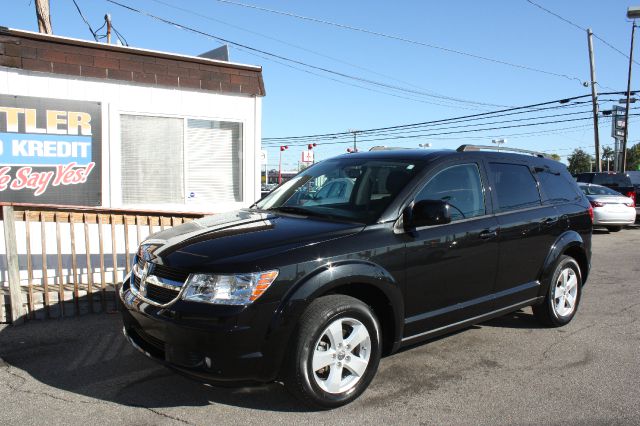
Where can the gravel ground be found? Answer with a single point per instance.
(506, 371)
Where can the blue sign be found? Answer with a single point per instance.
(28, 149)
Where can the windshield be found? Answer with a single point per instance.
(598, 190)
(354, 189)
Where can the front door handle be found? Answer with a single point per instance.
(488, 234)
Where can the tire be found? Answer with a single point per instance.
(563, 296)
(614, 228)
(325, 329)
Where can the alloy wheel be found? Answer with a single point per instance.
(565, 292)
(341, 355)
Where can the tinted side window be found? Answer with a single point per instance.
(556, 186)
(515, 186)
(461, 187)
(611, 179)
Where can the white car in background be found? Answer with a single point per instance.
(611, 209)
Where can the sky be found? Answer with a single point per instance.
(413, 81)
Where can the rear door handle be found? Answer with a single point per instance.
(550, 221)
(488, 234)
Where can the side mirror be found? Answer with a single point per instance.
(427, 213)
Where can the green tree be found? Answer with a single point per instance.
(579, 161)
(608, 155)
(633, 157)
(555, 157)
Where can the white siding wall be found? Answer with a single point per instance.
(127, 98)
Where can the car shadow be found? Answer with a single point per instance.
(517, 319)
(89, 356)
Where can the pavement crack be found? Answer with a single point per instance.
(23, 381)
(165, 415)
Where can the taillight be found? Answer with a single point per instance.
(632, 195)
(595, 204)
(591, 213)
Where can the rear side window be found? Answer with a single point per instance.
(515, 186)
(556, 186)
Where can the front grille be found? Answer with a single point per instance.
(167, 272)
(160, 295)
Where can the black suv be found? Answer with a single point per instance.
(312, 287)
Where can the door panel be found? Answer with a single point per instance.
(450, 273)
(525, 238)
(451, 268)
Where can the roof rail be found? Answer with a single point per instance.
(386, 148)
(464, 148)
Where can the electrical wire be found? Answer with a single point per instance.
(428, 135)
(403, 39)
(294, 61)
(210, 18)
(520, 109)
(93, 33)
(573, 24)
(120, 36)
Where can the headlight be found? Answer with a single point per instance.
(236, 289)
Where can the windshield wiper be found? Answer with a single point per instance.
(308, 212)
(295, 209)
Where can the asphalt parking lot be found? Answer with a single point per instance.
(506, 371)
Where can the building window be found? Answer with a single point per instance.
(152, 160)
(214, 161)
(177, 161)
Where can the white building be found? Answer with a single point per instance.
(166, 131)
(115, 135)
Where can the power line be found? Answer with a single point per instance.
(362, 87)
(93, 33)
(294, 61)
(403, 39)
(427, 135)
(414, 130)
(305, 49)
(446, 120)
(573, 24)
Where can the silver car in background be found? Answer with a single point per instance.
(611, 209)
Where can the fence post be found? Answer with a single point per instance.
(13, 268)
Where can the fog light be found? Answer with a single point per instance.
(207, 361)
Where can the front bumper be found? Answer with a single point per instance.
(211, 343)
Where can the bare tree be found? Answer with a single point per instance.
(43, 15)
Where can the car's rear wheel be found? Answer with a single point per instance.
(336, 353)
(614, 228)
(563, 297)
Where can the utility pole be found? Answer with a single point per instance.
(107, 19)
(594, 100)
(43, 16)
(355, 132)
(623, 167)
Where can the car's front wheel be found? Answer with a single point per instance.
(336, 352)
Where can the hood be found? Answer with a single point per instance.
(240, 236)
